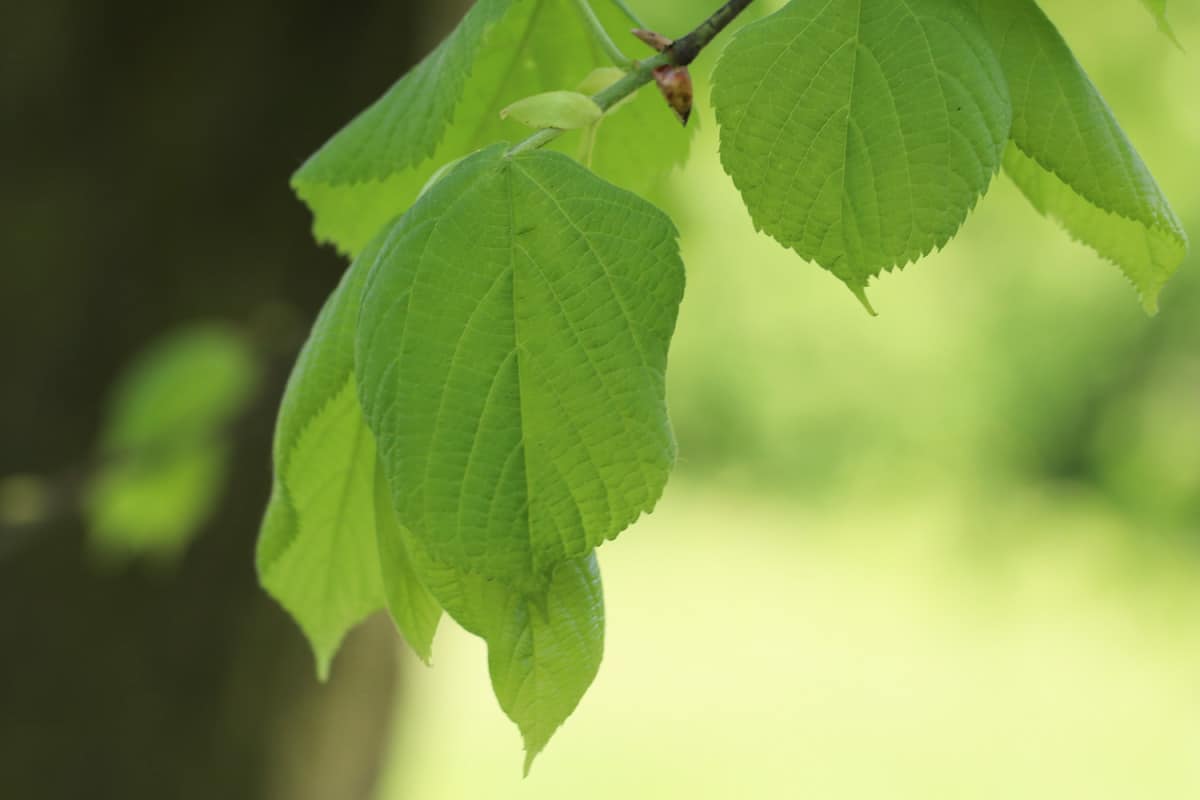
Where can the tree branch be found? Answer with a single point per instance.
(681, 53)
(685, 50)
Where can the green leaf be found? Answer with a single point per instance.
(164, 445)
(316, 553)
(544, 647)
(1158, 9)
(547, 650)
(366, 174)
(1072, 159)
(372, 170)
(559, 109)
(861, 132)
(511, 351)
(414, 610)
(600, 78)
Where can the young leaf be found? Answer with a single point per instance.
(511, 352)
(544, 647)
(559, 109)
(862, 132)
(164, 445)
(373, 169)
(1072, 159)
(317, 552)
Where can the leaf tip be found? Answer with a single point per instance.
(324, 659)
(860, 292)
(424, 654)
(531, 752)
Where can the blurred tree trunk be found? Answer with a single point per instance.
(149, 150)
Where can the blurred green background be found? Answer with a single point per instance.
(952, 551)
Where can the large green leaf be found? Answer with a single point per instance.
(862, 132)
(544, 647)
(511, 354)
(1071, 157)
(317, 554)
(503, 51)
(164, 446)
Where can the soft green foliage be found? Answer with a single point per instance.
(862, 132)
(560, 109)
(512, 349)
(414, 610)
(164, 446)
(481, 403)
(545, 651)
(502, 51)
(1159, 9)
(365, 175)
(1072, 159)
(544, 647)
(316, 554)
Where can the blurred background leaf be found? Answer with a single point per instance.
(165, 445)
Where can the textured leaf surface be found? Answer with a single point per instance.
(861, 132)
(544, 647)
(546, 650)
(164, 443)
(1071, 157)
(317, 554)
(371, 171)
(353, 184)
(512, 348)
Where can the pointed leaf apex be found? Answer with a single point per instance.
(860, 292)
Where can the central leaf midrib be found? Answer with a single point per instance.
(857, 42)
(512, 270)
(628, 324)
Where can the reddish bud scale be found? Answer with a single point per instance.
(654, 40)
(675, 83)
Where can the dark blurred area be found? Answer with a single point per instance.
(147, 148)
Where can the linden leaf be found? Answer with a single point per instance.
(862, 132)
(544, 647)
(1070, 156)
(511, 351)
(502, 51)
(317, 554)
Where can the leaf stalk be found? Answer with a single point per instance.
(601, 35)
